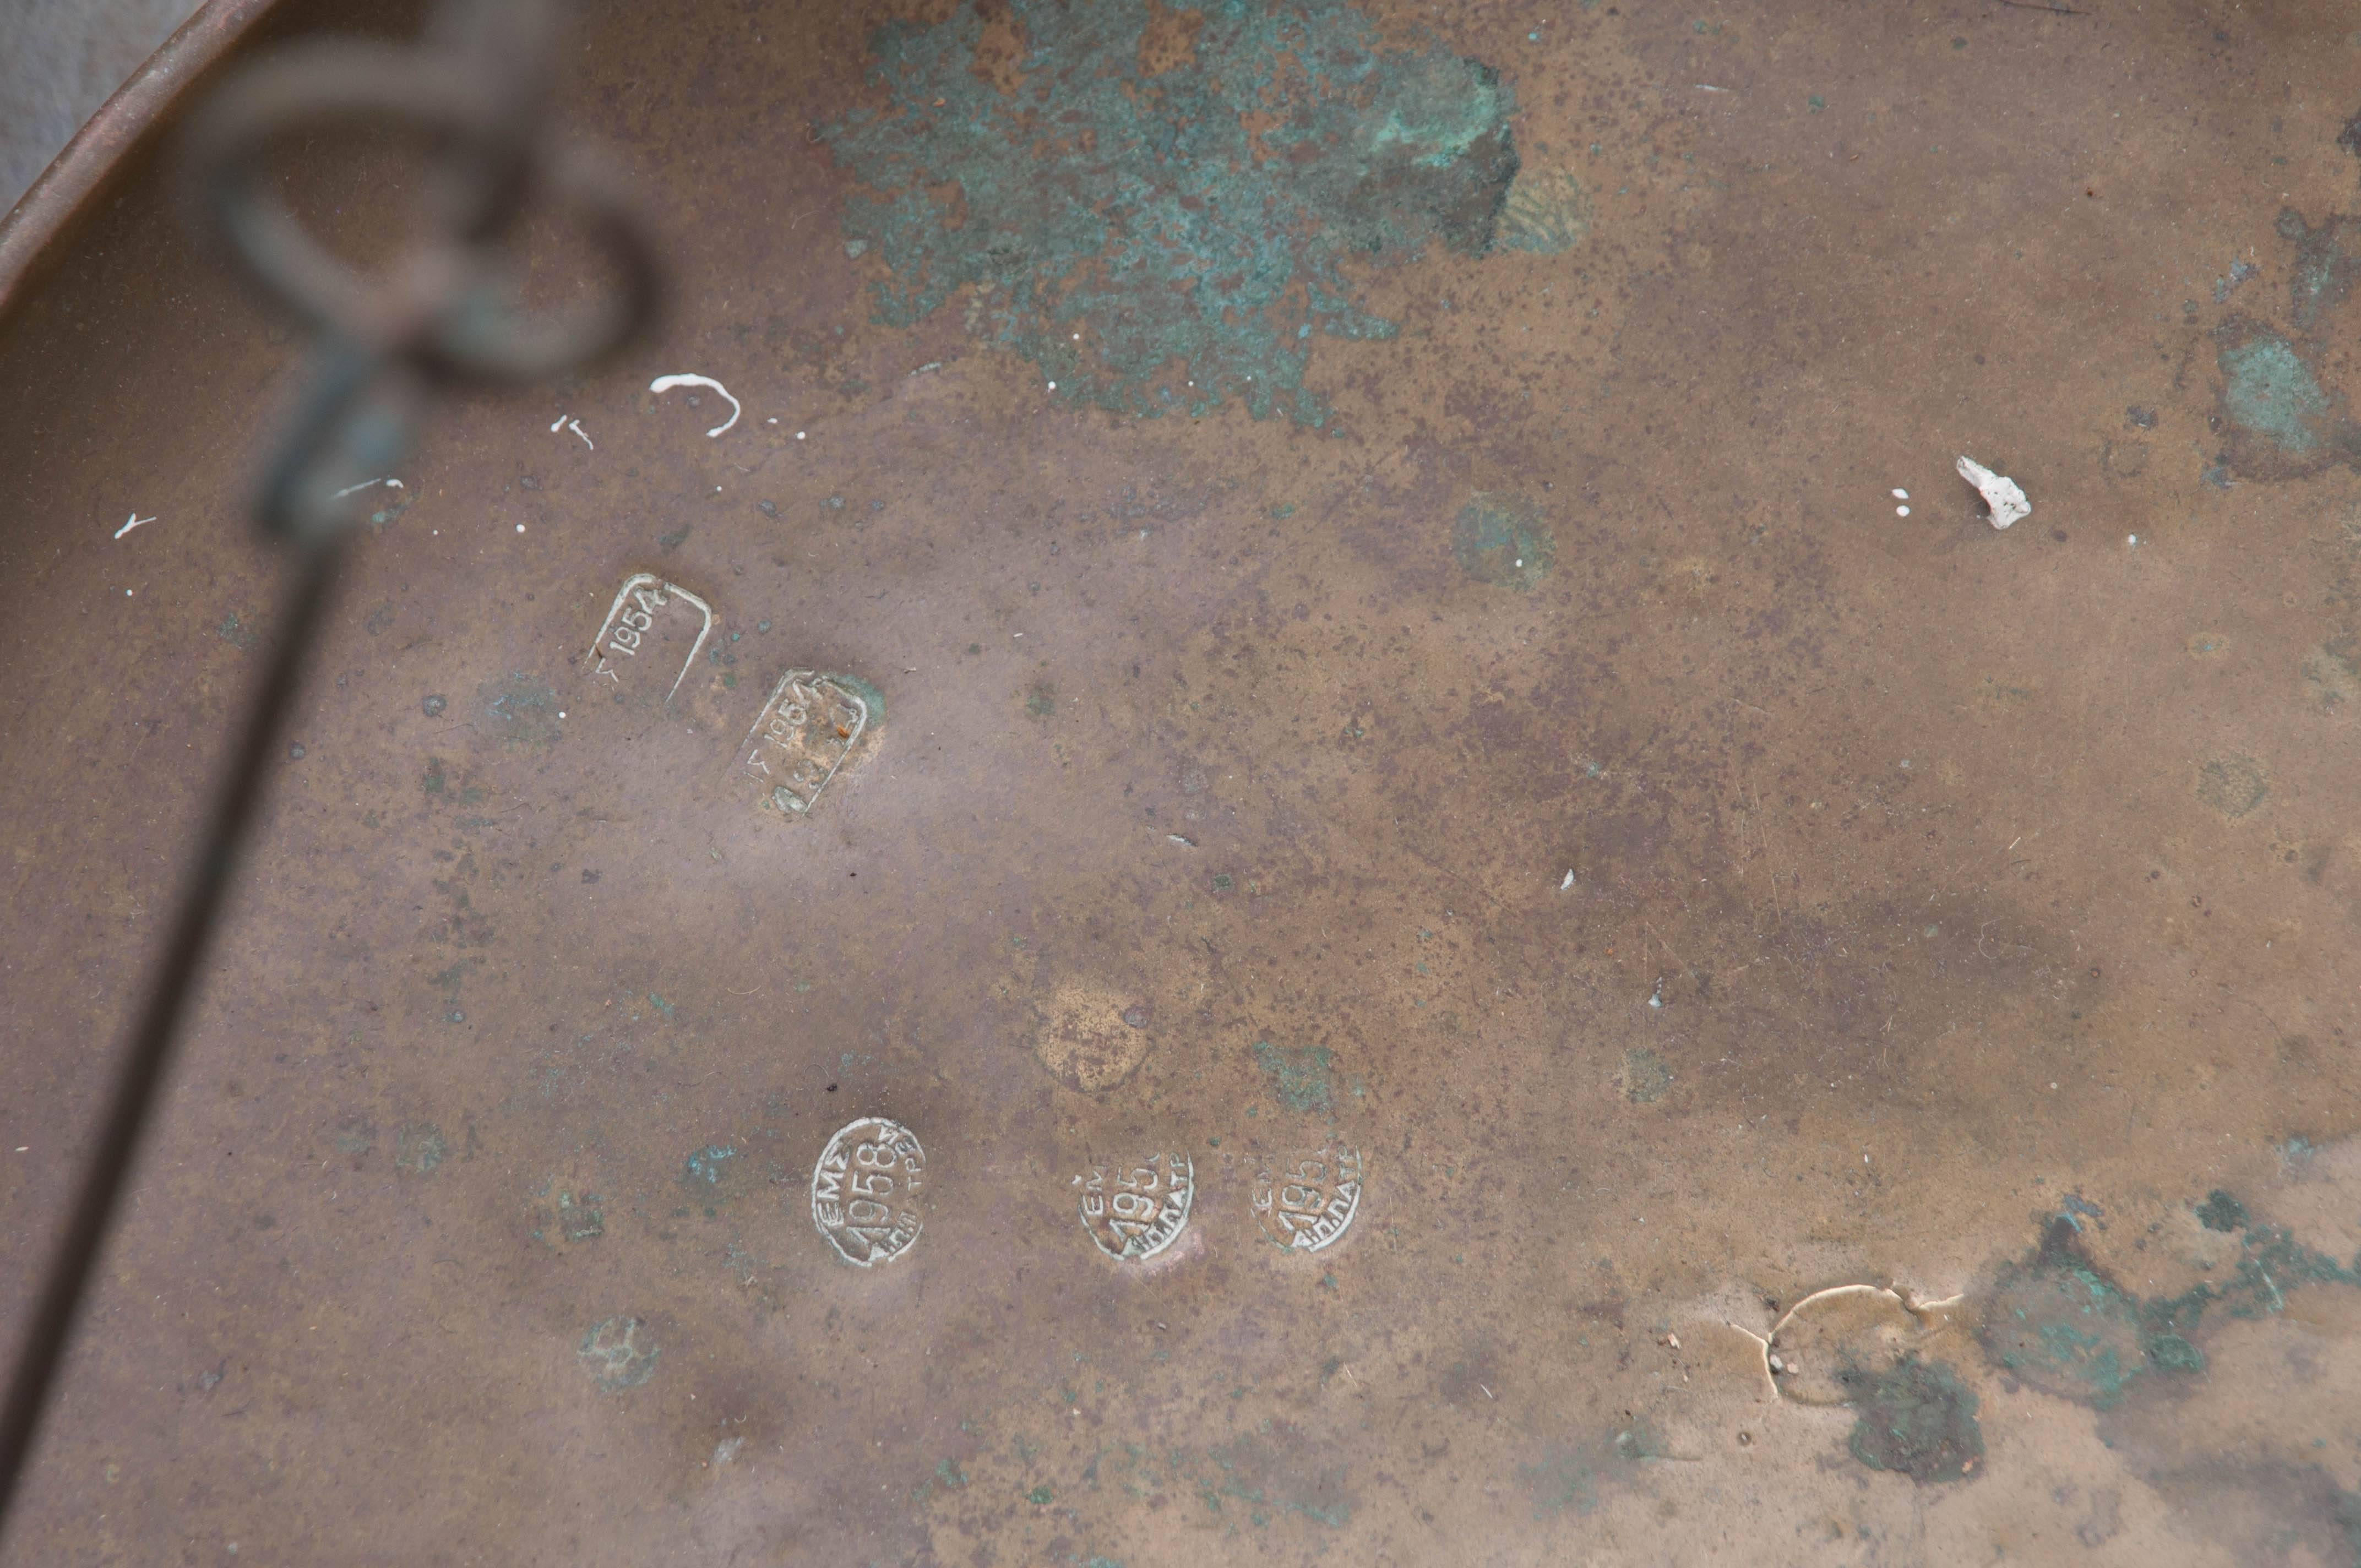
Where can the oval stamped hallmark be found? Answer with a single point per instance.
(1135, 1209)
(1308, 1203)
(866, 1189)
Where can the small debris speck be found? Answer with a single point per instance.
(432, 706)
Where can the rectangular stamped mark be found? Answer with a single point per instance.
(646, 626)
(802, 736)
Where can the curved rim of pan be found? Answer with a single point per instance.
(34, 230)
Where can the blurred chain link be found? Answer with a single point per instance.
(448, 310)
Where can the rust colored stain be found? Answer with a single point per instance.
(1684, 885)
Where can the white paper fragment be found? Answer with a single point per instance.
(2000, 492)
(667, 383)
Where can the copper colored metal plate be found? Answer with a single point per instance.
(1442, 676)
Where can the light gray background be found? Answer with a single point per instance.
(59, 60)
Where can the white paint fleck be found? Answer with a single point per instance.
(520, 528)
(2132, 540)
(2000, 492)
(557, 424)
(1901, 511)
(667, 383)
(1902, 494)
(575, 426)
(136, 522)
(365, 484)
(1053, 386)
(1568, 882)
(800, 436)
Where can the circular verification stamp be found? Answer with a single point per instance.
(1135, 1209)
(1304, 1204)
(866, 1189)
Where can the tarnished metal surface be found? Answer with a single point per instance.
(1955, 916)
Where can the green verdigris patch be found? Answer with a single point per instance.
(2066, 1328)
(419, 1147)
(1298, 1075)
(865, 691)
(2280, 422)
(2220, 1212)
(2269, 390)
(1647, 1078)
(1164, 240)
(580, 1219)
(2327, 264)
(622, 1353)
(2232, 786)
(1918, 1420)
(1501, 540)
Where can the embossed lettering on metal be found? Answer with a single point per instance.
(800, 739)
(1308, 1202)
(866, 1190)
(649, 615)
(1134, 1210)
